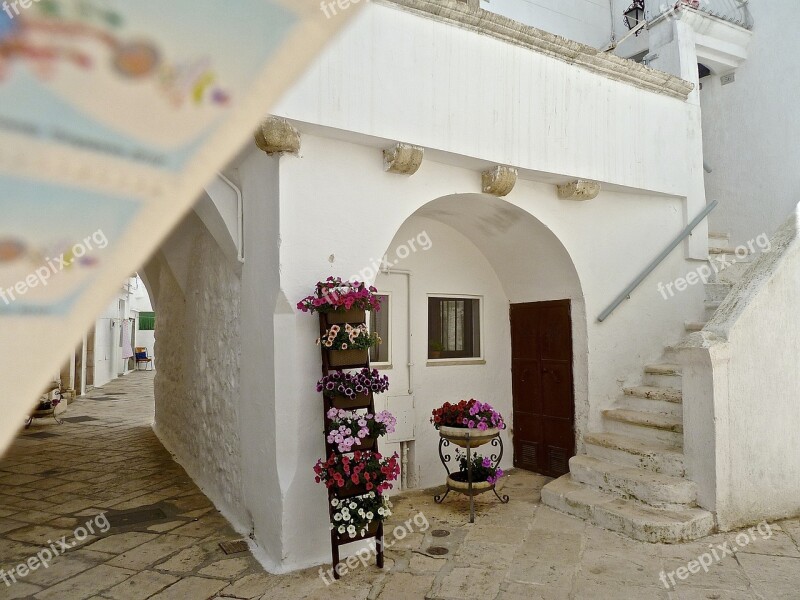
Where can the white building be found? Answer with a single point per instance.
(528, 178)
(98, 359)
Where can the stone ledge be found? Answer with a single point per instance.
(575, 53)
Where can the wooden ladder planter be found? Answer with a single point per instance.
(347, 359)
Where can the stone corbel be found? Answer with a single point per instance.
(403, 159)
(499, 181)
(276, 136)
(580, 189)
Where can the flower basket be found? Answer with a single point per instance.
(351, 490)
(458, 481)
(459, 435)
(372, 530)
(345, 403)
(347, 358)
(347, 316)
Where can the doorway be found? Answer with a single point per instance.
(542, 386)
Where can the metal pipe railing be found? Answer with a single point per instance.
(657, 261)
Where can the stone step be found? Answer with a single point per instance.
(663, 374)
(655, 393)
(717, 239)
(726, 270)
(692, 327)
(647, 487)
(717, 291)
(626, 450)
(647, 524)
(711, 307)
(647, 426)
(739, 252)
(652, 399)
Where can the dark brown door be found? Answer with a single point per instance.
(541, 370)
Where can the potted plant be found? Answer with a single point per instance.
(359, 516)
(352, 389)
(348, 345)
(467, 420)
(484, 475)
(435, 350)
(47, 404)
(342, 301)
(348, 429)
(359, 474)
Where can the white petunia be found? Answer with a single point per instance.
(337, 517)
(341, 529)
(370, 516)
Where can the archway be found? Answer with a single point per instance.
(482, 255)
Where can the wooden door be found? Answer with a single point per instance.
(542, 380)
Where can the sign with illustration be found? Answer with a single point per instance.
(113, 116)
(44, 269)
(146, 81)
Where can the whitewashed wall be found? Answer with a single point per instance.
(586, 21)
(453, 266)
(750, 129)
(741, 389)
(197, 384)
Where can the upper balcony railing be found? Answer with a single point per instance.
(733, 11)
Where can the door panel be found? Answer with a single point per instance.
(542, 384)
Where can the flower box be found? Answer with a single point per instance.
(346, 316)
(372, 531)
(351, 490)
(345, 403)
(460, 435)
(347, 358)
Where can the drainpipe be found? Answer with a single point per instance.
(409, 363)
(404, 465)
(240, 215)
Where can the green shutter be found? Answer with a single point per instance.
(147, 321)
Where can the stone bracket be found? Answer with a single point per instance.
(580, 189)
(403, 159)
(499, 181)
(277, 136)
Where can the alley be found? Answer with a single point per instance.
(164, 537)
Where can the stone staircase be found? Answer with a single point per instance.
(632, 477)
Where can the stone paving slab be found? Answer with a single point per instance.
(517, 551)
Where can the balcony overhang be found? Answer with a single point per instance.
(721, 45)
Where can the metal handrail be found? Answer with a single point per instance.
(651, 267)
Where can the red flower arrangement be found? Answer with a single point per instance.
(367, 468)
(334, 295)
(471, 414)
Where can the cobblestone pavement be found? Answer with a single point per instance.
(59, 477)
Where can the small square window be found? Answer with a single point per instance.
(454, 328)
(379, 323)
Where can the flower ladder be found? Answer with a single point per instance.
(360, 361)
